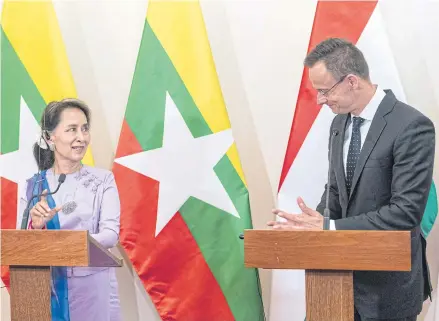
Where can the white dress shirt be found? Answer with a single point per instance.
(367, 114)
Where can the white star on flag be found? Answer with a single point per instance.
(20, 165)
(183, 166)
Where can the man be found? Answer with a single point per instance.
(381, 173)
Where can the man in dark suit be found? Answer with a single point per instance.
(381, 173)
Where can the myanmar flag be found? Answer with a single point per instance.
(34, 71)
(183, 194)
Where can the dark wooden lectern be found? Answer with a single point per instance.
(329, 259)
(31, 253)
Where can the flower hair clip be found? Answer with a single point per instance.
(42, 142)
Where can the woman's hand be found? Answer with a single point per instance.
(41, 213)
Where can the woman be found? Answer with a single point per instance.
(87, 200)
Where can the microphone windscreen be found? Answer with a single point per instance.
(62, 178)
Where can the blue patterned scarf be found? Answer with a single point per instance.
(59, 293)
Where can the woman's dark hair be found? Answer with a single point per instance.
(49, 121)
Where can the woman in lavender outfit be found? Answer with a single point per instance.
(87, 200)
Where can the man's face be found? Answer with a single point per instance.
(338, 94)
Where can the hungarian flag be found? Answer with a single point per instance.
(306, 159)
(183, 194)
(34, 71)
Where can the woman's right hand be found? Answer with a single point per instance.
(41, 213)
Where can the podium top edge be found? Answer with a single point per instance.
(326, 231)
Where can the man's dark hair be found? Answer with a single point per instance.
(340, 57)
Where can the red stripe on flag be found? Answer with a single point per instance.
(138, 201)
(138, 197)
(171, 266)
(128, 143)
(179, 280)
(8, 218)
(341, 19)
(9, 204)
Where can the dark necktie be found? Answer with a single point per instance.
(354, 151)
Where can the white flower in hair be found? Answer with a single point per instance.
(41, 141)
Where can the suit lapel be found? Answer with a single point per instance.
(338, 157)
(375, 131)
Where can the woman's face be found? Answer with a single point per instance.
(72, 136)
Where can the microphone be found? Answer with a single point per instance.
(25, 220)
(326, 211)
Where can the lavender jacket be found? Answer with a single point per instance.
(95, 192)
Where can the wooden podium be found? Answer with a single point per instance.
(329, 259)
(31, 253)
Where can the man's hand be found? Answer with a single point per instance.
(309, 219)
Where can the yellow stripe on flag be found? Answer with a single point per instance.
(180, 28)
(33, 30)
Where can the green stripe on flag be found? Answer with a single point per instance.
(16, 83)
(430, 212)
(235, 189)
(216, 233)
(147, 120)
(155, 75)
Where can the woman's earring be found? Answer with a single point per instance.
(51, 146)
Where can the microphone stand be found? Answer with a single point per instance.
(25, 220)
